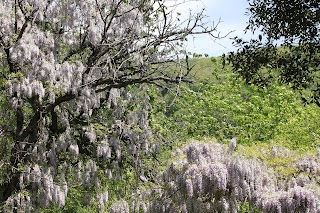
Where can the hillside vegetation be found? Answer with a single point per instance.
(274, 166)
(221, 105)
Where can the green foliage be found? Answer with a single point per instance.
(245, 207)
(302, 129)
(77, 201)
(294, 20)
(204, 69)
(224, 106)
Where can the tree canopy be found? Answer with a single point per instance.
(288, 47)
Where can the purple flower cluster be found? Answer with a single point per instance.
(209, 178)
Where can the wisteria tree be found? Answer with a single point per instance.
(65, 68)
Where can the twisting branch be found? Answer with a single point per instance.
(68, 66)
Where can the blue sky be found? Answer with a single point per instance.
(233, 18)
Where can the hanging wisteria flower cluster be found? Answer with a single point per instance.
(206, 177)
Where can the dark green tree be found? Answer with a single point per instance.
(286, 49)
